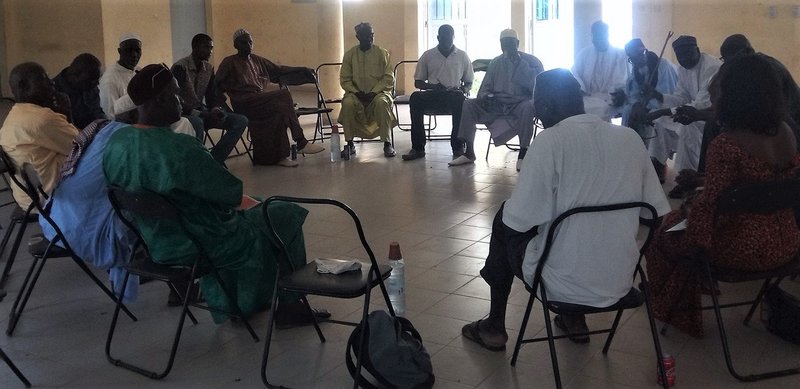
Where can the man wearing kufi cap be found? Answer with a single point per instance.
(149, 156)
(251, 82)
(506, 93)
(113, 97)
(694, 76)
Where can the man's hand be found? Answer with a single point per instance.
(650, 93)
(617, 97)
(366, 97)
(657, 114)
(686, 115)
(213, 118)
(690, 179)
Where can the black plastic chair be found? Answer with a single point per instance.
(759, 198)
(307, 77)
(18, 221)
(634, 299)
(144, 205)
(14, 368)
(42, 249)
(306, 280)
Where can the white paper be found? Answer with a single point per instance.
(678, 227)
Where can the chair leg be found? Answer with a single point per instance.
(757, 300)
(316, 323)
(268, 337)
(653, 330)
(175, 289)
(14, 368)
(550, 341)
(12, 255)
(521, 335)
(726, 348)
(25, 293)
(102, 286)
(10, 259)
(612, 332)
(234, 306)
(363, 335)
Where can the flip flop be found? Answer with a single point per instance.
(471, 331)
(559, 322)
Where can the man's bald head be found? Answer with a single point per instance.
(29, 84)
(557, 96)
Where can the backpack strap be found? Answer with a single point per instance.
(355, 336)
(406, 326)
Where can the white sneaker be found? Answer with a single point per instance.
(311, 148)
(287, 163)
(461, 160)
(519, 164)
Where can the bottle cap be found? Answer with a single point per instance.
(394, 251)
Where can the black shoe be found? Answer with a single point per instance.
(573, 324)
(388, 150)
(413, 154)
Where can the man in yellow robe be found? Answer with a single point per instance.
(367, 80)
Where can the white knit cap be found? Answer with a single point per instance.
(509, 33)
(128, 36)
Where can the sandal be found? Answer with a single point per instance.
(577, 328)
(471, 331)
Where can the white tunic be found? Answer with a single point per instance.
(114, 90)
(600, 73)
(685, 140)
(584, 161)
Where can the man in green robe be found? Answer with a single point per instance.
(229, 225)
(367, 80)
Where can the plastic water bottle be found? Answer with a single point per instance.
(335, 144)
(395, 285)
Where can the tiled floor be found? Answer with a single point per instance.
(441, 217)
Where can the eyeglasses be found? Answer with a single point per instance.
(153, 80)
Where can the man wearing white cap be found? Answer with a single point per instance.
(113, 98)
(506, 91)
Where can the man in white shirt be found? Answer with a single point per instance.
(694, 75)
(579, 160)
(600, 69)
(113, 86)
(444, 76)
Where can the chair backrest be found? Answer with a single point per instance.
(145, 205)
(298, 77)
(761, 197)
(479, 66)
(287, 263)
(396, 69)
(648, 222)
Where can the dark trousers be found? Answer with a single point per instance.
(436, 102)
(506, 253)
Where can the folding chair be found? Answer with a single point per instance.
(19, 219)
(323, 102)
(306, 280)
(634, 299)
(307, 77)
(431, 123)
(248, 149)
(41, 249)
(14, 368)
(759, 198)
(143, 205)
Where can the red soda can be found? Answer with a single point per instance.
(669, 370)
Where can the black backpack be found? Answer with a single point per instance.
(394, 353)
(782, 311)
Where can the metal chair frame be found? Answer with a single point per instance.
(153, 205)
(538, 284)
(431, 123)
(375, 277)
(33, 188)
(18, 221)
